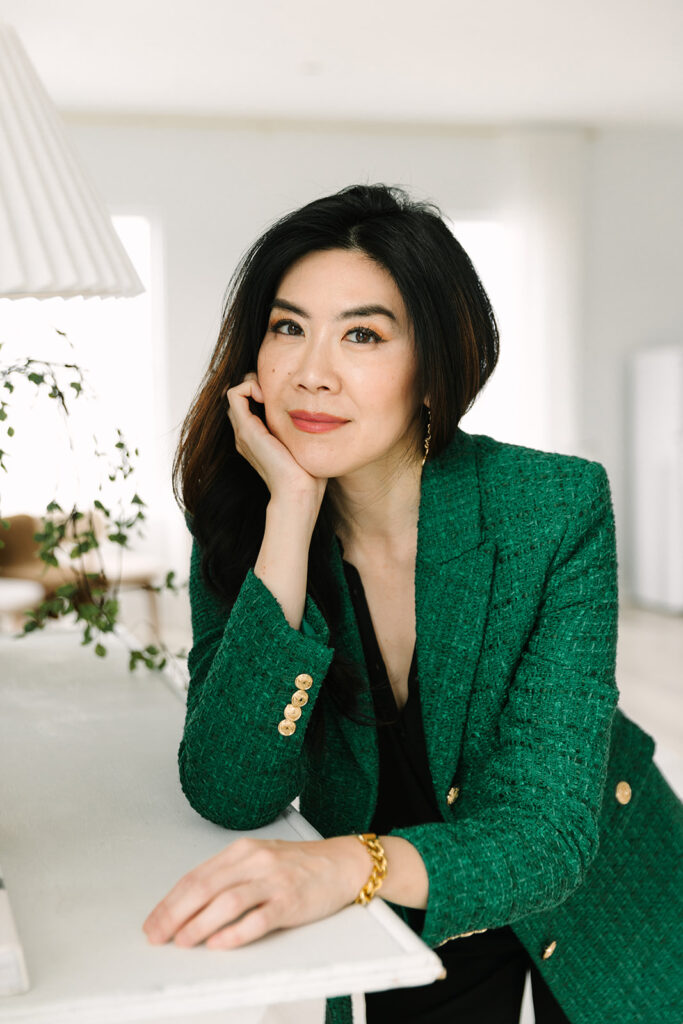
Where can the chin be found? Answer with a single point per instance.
(318, 454)
(321, 459)
(321, 464)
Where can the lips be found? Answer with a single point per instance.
(317, 417)
(315, 422)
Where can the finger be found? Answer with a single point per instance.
(195, 890)
(180, 905)
(238, 396)
(248, 426)
(239, 409)
(226, 908)
(249, 928)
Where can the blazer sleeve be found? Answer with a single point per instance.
(525, 828)
(236, 768)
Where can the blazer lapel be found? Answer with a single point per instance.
(453, 575)
(453, 579)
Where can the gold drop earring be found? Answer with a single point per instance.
(429, 435)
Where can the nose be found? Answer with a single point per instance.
(316, 369)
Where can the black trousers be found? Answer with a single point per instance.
(484, 985)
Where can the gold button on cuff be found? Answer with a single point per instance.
(299, 698)
(286, 728)
(549, 950)
(453, 794)
(623, 792)
(303, 681)
(292, 713)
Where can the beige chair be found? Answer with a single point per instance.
(19, 560)
(16, 598)
(19, 557)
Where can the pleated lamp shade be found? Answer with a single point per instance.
(56, 235)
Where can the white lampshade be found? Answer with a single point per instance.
(56, 235)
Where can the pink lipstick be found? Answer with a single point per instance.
(315, 422)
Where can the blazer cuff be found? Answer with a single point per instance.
(313, 623)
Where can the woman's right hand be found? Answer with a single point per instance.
(295, 500)
(284, 477)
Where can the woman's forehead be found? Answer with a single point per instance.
(340, 281)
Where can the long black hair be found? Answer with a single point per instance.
(456, 339)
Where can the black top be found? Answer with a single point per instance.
(406, 797)
(405, 794)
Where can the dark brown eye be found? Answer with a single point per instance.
(277, 327)
(365, 335)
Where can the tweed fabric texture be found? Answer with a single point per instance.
(516, 622)
(626, 917)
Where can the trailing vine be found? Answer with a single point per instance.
(68, 539)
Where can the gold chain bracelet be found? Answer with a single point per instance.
(379, 867)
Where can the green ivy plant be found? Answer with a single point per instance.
(91, 597)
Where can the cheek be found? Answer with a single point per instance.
(267, 373)
(272, 375)
(397, 396)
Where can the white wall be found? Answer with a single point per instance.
(581, 202)
(214, 186)
(633, 274)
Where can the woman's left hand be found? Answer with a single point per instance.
(256, 886)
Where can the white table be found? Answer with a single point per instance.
(94, 830)
(16, 596)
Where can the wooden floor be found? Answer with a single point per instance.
(650, 679)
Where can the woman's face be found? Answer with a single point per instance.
(340, 343)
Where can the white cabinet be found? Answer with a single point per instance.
(656, 476)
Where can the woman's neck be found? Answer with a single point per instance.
(377, 513)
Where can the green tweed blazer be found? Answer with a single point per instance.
(563, 827)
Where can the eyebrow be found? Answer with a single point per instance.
(370, 310)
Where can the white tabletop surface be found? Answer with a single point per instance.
(16, 595)
(94, 830)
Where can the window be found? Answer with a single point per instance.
(113, 340)
(510, 407)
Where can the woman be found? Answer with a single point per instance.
(347, 531)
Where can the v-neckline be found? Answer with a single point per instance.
(383, 694)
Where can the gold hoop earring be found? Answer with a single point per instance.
(428, 438)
